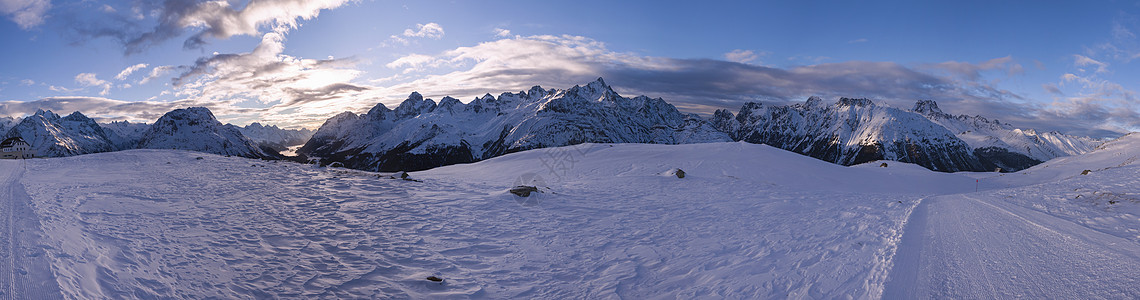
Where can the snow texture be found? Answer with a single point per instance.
(747, 221)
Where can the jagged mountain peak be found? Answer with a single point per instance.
(415, 96)
(813, 101)
(77, 116)
(490, 126)
(414, 105)
(53, 136)
(197, 129)
(927, 107)
(47, 114)
(856, 102)
(536, 92)
(597, 90)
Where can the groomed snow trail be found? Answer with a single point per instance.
(977, 246)
(24, 273)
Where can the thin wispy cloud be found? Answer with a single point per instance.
(91, 80)
(1084, 61)
(129, 70)
(157, 72)
(25, 13)
(856, 41)
(742, 56)
(204, 20)
(500, 32)
(429, 30)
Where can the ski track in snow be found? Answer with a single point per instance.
(24, 271)
(971, 247)
(165, 224)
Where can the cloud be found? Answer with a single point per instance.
(61, 89)
(1084, 61)
(741, 56)
(101, 109)
(429, 30)
(26, 13)
(703, 85)
(127, 72)
(500, 32)
(1122, 44)
(413, 62)
(267, 78)
(1052, 88)
(856, 41)
(27, 82)
(89, 79)
(973, 71)
(204, 19)
(700, 85)
(156, 72)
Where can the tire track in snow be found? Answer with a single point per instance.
(26, 271)
(960, 246)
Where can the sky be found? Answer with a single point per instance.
(1066, 66)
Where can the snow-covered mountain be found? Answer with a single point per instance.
(848, 132)
(276, 137)
(992, 137)
(196, 129)
(7, 122)
(123, 134)
(55, 136)
(853, 131)
(421, 134)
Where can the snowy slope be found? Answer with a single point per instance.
(160, 223)
(747, 221)
(1045, 232)
(123, 134)
(421, 134)
(1121, 152)
(55, 136)
(982, 133)
(196, 129)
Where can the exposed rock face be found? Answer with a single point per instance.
(421, 134)
(196, 129)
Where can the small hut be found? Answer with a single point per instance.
(16, 148)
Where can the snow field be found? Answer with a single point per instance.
(747, 221)
(160, 223)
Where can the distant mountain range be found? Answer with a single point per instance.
(421, 133)
(186, 129)
(854, 131)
